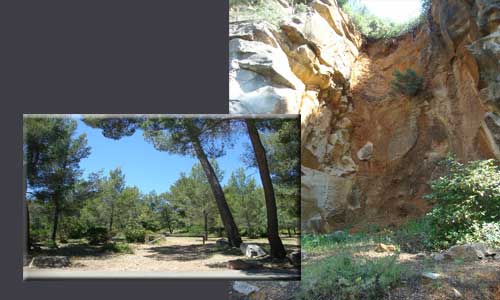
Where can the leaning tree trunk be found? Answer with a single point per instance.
(227, 218)
(277, 248)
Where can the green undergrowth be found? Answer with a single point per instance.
(342, 272)
(117, 248)
(343, 276)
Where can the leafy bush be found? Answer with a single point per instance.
(349, 277)
(407, 83)
(135, 234)
(150, 224)
(38, 235)
(117, 248)
(97, 235)
(466, 202)
(73, 228)
(488, 233)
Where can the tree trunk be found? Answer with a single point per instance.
(205, 220)
(289, 232)
(227, 218)
(277, 248)
(111, 217)
(55, 220)
(25, 188)
(28, 237)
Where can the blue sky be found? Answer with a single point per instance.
(395, 10)
(145, 167)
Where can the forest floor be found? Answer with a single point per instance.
(170, 255)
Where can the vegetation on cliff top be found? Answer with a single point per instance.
(374, 27)
(370, 25)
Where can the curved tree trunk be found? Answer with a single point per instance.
(227, 218)
(277, 248)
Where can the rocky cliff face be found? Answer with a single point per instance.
(368, 155)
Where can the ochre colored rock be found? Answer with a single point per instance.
(317, 65)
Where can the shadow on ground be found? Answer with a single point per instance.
(80, 250)
(189, 252)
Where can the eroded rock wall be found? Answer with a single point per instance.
(303, 67)
(367, 154)
(456, 53)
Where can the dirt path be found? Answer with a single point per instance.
(170, 255)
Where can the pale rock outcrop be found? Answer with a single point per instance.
(325, 199)
(303, 67)
(313, 65)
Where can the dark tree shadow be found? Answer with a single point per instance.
(189, 252)
(75, 250)
(261, 265)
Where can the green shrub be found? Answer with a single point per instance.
(465, 201)
(117, 248)
(407, 83)
(135, 234)
(39, 235)
(415, 236)
(72, 227)
(97, 235)
(488, 233)
(349, 277)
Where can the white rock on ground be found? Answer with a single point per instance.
(244, 288)
(251, 250)
(431, 275)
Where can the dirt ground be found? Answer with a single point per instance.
(171, 254)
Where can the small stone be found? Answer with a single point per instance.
(365, 153)
(431, 275)
(244, 288)
(456, 293)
